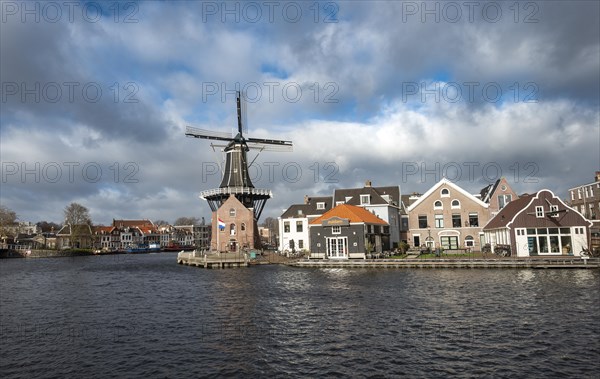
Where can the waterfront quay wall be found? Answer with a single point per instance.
(537, 263)
(22, 253)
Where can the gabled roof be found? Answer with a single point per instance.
(101, 229)
(508, 213)
(67, 230)
(376, 193)
(512, 210)
(447, 182)
(351, 212)
(309, 208)
(133, 223)
(487, 191)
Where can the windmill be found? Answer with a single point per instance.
(236, 179)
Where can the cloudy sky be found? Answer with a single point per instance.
(96, 97)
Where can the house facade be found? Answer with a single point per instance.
(447, 216)
(346, 232)
(497, 195)
(539, 225)
(586, 200)
(294, 223)
(75, 237)
(234, 227)
(382, 201)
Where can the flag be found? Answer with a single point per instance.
(221, 224)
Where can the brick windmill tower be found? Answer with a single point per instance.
(236, 205)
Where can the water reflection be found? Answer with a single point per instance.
(146, 316)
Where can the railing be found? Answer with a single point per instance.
(235, 190)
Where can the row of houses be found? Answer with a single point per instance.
(355, 222)
(121, 235)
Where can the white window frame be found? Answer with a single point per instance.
(339, 203)
(440, 224)
(539, 211)
(336, 229)
(554, 208)
(446, 193)
(320, 205)
(232, 212)
(365, 200)
(452, 206)
(435, 206)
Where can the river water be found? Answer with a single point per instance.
(146, 316)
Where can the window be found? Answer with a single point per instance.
(437, 205)
(232, 212)
(232, 229)
(456, 221)
(298, 226)
(450, 242)
(474, 219)
(286, 227)
(469, 241)
(587, 192)
(339, 203)
(422, 222)
(554, 208)
(320, 205)
(300, 244)
(455, 204)
(439, 221)
(572, 195)
(444, 192)
(299, 212)
(503, 200)
(539, 211)
(579, 193)
(365, 199)
(243, 227)
(336, 230)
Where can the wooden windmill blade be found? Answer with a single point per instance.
(207, 134)
(270, 147)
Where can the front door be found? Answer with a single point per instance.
(337, 247)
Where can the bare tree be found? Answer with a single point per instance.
(7, 219)
(161, 222)
(187, 221)
(273, 226)
(46, 226)
(77, 214)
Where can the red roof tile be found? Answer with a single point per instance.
(352, 213)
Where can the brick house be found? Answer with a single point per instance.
(234, 227)
(586, 200)
(539, 224)
(447, 216)
(497, 195)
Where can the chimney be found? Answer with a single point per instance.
(598, 176)
(306, 199)
(368, 183)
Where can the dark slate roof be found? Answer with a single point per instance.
(488, 190)
(375, 192)
(309, 208)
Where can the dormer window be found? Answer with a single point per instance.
(539, 211)
(445, 192)
(437, 205)
(339, 203)
(365, 200)
(320, 205)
